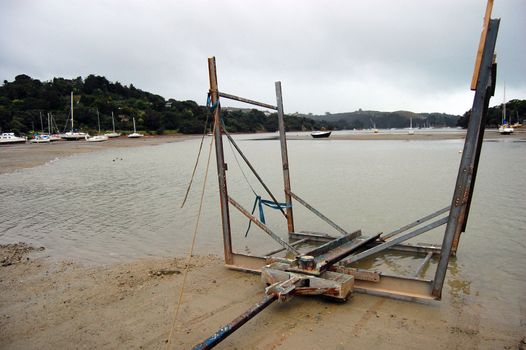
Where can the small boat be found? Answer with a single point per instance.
(505, 128)
(135, 134)
(374, 129)
(73, 135)
(320, 134)
(113, 134)
(99, 137)
(40, 138)
(9, 137)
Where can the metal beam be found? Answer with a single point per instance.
(395, 241)
(254, 171)
(464, 182)
(319, 214)
(231, 327)
(221, 166)
(416, 223)
(284, 157)
(246, 100)
(424, 264)
(293, 244)
(263, 227)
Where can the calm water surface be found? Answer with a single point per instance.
(122, 204)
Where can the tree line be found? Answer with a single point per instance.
(24, 100)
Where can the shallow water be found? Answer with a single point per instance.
(121, 204)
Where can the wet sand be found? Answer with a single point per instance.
(63, 305)
(50, 304)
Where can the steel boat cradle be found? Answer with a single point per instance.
(325, 267)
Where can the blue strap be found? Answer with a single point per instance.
(264, 202)
(209, 104)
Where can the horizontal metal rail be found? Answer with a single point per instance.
(317, 213)
(293, 244)
(246, 100)
(264, 227)
(416, 223)
(395, 241)
(231, 327)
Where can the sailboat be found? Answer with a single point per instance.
(505, 128)
(73, 135)
(42, 137)
(375, 130)
(134, 134)
(113, 134)
(52, 135)
(411, 131)
(99, 137)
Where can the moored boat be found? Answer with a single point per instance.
(9, 137)
(320, 134)
(135, 134)
(113, 134)
(73, 135)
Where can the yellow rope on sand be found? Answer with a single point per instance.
(189, 258)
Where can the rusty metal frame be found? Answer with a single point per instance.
(329, 255)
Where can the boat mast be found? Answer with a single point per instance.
(41, 124)
(134, 131)
(113, 122)
(504, 107)
(98, 119)
(71, 111)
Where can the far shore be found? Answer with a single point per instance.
(19, 156)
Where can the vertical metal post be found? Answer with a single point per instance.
(221, 166)
(284, 156)
(463, 187)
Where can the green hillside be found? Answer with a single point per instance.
(24, 99)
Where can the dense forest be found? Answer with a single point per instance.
(24, 100)
(515, 113)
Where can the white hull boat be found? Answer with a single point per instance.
(9, 138)
(112, 134)
(97, 138)
(73, 135)
(135, 134)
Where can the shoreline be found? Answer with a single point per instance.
(27, 155)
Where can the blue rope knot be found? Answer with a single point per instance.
(258, 202)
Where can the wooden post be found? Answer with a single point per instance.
(478, 59)
(284, 157)
(221, 166)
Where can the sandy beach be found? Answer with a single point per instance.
(50, 304)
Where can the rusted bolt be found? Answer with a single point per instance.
(307, 262)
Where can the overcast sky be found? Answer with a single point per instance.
(331, 56)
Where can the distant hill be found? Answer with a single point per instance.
(385, 120)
